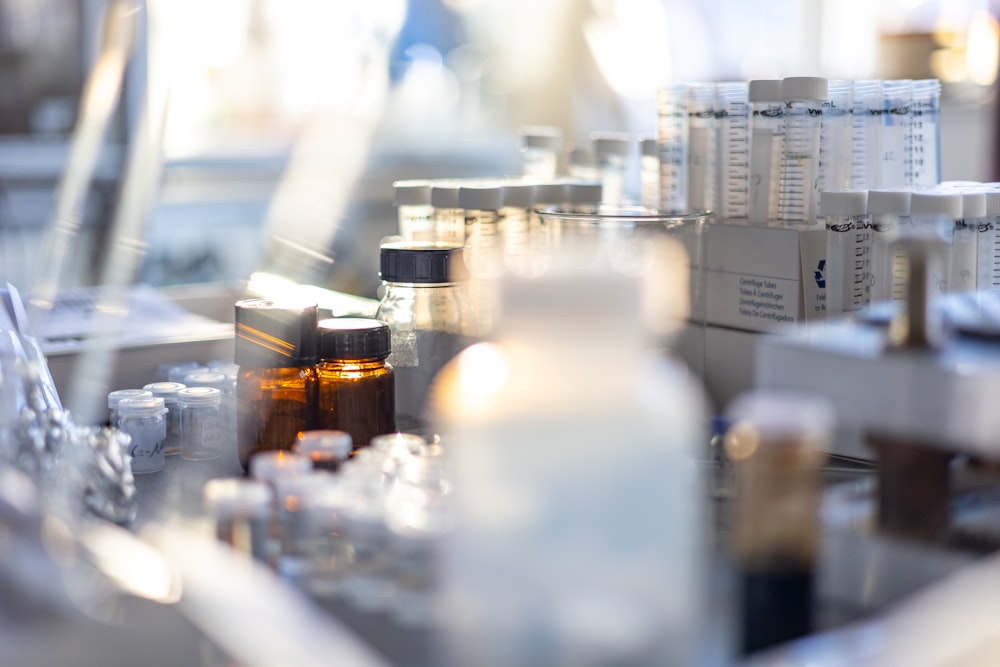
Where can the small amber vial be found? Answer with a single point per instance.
(276, 386)
(356, 386)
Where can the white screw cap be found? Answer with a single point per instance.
(842, 203)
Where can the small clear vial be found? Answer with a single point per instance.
(767, 133)
(798, 198)
(144, 420)
(290, 494)
(241, 509)
(889, 210)
(115, 397)
(848, 250)
(611, 152)
(449, 218)
(327, 449)
(650, 181)
(414, 210)
(168, 392)
(202, 423)
(540, 148)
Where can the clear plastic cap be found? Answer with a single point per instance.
(228, 498)
(842, 203)
(165, 390)
(889, 201)
(607, 144)
(115, 397)
(765, 90)
(948, 204)
(142, 406)
(804, 88)
(481, 197)
(324, 445)
(269, 466)
(444, 194)
(412, 193)
(205, 379)
(199, 396)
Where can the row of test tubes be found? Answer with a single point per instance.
(864, 266)
(763, 150)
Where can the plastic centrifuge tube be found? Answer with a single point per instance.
(672, 142)
(965, 244)
(449, 218)
(797, 199)
(989, 244)
(889, 210)
(766, 138)
(866, 121)
(701, 146)
(896, 133)
(925, 133)
(835, 137)
(413, 206)
(935, 213)
(732, 117)
(540, 148)
(848, 250)
(611, 151)
(650, 163)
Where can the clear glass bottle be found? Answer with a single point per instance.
(168, 392)
(326, 449)
(115, 397)
(241, 509)
(414, 210)
(276, 387)
(144, 420)
(202, 423)
(424, 306)
(357, 390)
(611, 152)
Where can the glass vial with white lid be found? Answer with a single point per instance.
(327, 449)
(650, 173)
(424, 306)
(848, 250)
(964, 273)
(798, 198)
(889, 210)
(449, 218)
(202, 423)
(144, 420)
(116, 397)
(767, 133)
(241, 509)
(611, 149)
(934, 213)
(414, 210)
(540, 147)
(168, 392)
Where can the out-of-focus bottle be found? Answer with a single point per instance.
(890, 213)
(276, 387)
(206, 378)
(425, 309)
(116, 397)
(202, 423)
(557, 477)
(241, 509)
(449, 218)
(144, 420)
(935, 213)
(650, 161)
(583, 164)
(519, 236)
(357, 391)
(540, 148)
(326, 449)
(584, 196)
(414, 210)
(777, 441)
(611, 152)
(175, 372)
(483, 250)
(168, 392)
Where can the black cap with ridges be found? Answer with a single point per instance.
(271, 334)
(421, 263)
(353, 338)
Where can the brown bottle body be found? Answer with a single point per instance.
(273, 405)
(358, 397)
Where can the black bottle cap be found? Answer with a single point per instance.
(270, 334)
(353, 338)
(422, 263)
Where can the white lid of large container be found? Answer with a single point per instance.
(804, 88)
(764, 90)
(444, 194)
(541, 136)
(842, 203)
(412, 193)
(584, 192)
(481, 197)
(889, 201)
(520, 194)
(948, 204)
(608, 144)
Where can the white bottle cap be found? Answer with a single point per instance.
(993, 203)
(973, 204)
(116, 397)
(584, 192)
(541, 136)
(607, 144)
(412, 193)
(948, 204)
(520, 194)
(842, 203)
(245, 498)
(647, 146)
(957, 185)
(199, 396)
(551, 193)
(165, 390)
(444, 194)
(269, 466)
(889, 201)
(480, 197)
(324, 444)
(765, 90)
(804, 88)
(205, 379)
(143, 406)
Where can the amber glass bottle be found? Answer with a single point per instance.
(276, 385)
(356, 385)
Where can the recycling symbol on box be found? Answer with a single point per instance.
(820, 274)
